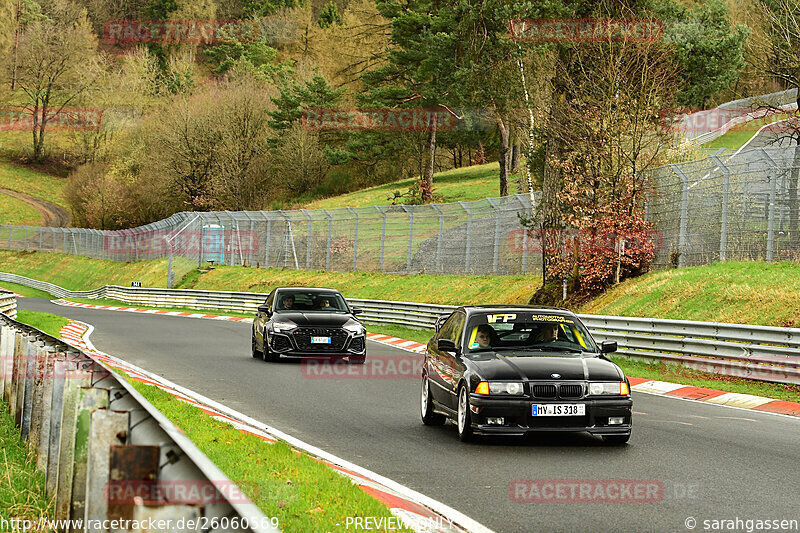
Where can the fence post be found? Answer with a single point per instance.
(684, 213)
(439, 238)
(410, 236)
(469, 237)
(308, 240)
(383, 234)
(496, 251)
(723, 234)
(330, 238)
(267, 243)
(773, 180)
(355, 239)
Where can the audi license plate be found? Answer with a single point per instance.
(320, 340)
(558, 409)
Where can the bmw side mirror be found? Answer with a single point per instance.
(608, 346)
(447, 345)
(357, 311)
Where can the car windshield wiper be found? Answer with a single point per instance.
(547, 349)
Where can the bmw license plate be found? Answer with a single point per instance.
(320, 340)
(558, 409)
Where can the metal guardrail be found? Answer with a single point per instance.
(754, 352)
(8, 303)
(100, 443)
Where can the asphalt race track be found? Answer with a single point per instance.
(713, 462)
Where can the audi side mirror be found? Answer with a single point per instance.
(264, 309)
(357, 311)
(608, 346)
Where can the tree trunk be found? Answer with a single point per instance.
(16, 45)
(504, 155)
(426, 183)
(516, 156)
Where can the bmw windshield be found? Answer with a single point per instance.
(527, 334)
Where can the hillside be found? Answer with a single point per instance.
(747, 293)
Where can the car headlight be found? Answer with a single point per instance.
(355, 328)
(619, 388)
(505, 387)
(283, 326)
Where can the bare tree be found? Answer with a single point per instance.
(58, 62)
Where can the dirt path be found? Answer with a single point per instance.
(52, 214)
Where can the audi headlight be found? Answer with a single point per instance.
(505, 387)
(619, 388)
(283, 326)
(355, 328)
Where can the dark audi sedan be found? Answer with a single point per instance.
(308, 321)
(500, 370)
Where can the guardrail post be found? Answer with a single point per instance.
(723, 234)
(41, 407)
(89, 400)
(25, 386)
(75, 380)
(51, 448)
(383, 235)
(469, 237)
(107, 429)
(684, 214)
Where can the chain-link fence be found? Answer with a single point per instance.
(736, 207)
(480, 237)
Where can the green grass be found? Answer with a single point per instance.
(30, 181)
(737, 136)
(84, 273)
(81, 273)
(460, 184)
(45, 322)
(760, 293)
(303, 493)
(22, 493)
(15, 211)
(640, 369)
(23, 290)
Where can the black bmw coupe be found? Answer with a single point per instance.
(500, 370)
(308, 321)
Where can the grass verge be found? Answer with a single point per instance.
(14, 211)
(766, 294)
(304, 494)
(82, 273)
(30, 181)
(641, 369)
(45, 322)
(738, 135)
(24, 290)
(22, 493)
(459, 184)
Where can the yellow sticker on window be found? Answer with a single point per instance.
(501, 318)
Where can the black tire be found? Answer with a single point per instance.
(357, 359)
(616, 439)
(254, 349)
(429, 418)
(464, 420)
